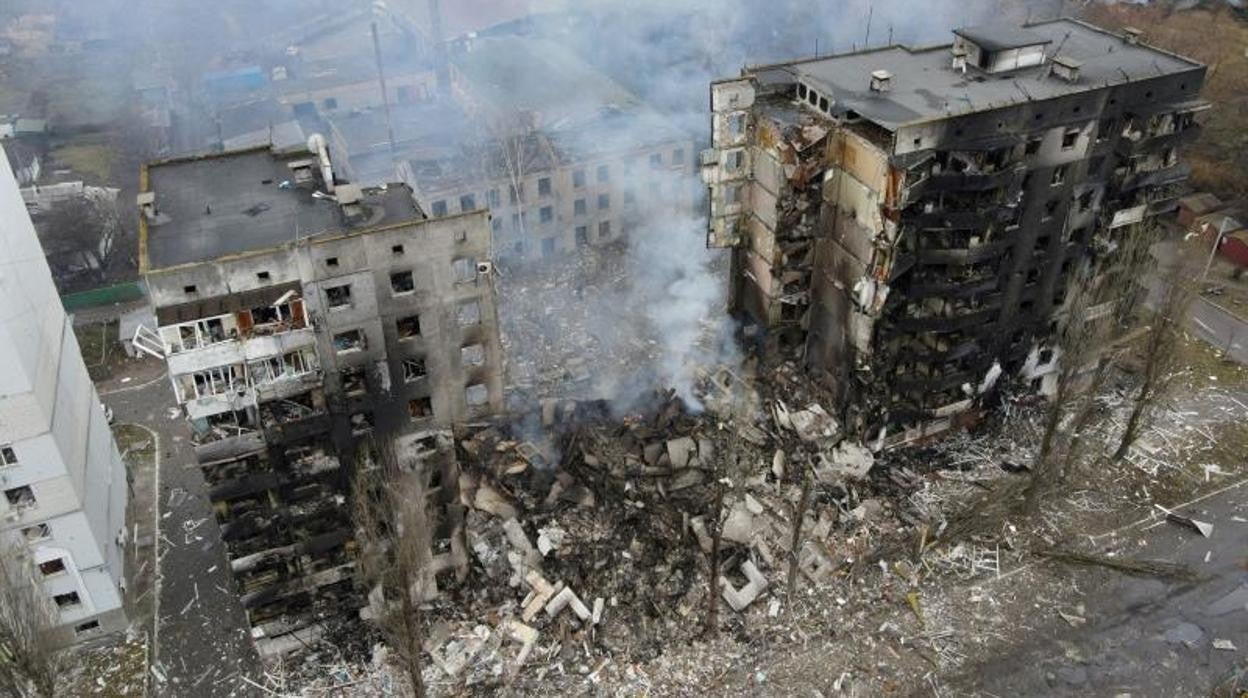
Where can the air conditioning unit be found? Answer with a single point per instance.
(485, 267)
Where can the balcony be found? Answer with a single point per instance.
(1138, 142)
(935, 383)
(237, 444)
(966, 255)
(288, 385)
(951, 319)
(293, 418)
(943, 351)
(260, 346)
(192, 360)
(208, 405)
(952, 288)
(1155, 178)
(962, 181)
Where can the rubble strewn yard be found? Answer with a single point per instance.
(587, 539)
(623, 349)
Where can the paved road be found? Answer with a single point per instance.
(1208, 320)
(1220, 328)
(202, 643)
(1143, 637)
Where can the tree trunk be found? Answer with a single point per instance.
(415, 635)
(712, 601)
(1084, 418)
(1133, 422)
(795, 543)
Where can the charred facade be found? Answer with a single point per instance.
(910, 222)
(298, 314)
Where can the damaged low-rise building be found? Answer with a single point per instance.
(298, 313)
(565, 157)
(910, 222)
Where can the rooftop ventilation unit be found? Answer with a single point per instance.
(147, 204)
(881, 81)
(1065, 68)
(959, 59)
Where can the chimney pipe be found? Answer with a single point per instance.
(319, 148)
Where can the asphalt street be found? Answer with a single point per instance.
(1143, 636)
(200, 639)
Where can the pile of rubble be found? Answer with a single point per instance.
(565, 326)
(591, 532)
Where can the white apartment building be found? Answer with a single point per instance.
(62, 480)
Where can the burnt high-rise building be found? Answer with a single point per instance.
(910, 222)
(300, 314)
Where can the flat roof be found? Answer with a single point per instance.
(421, 131)
(509, 73)
(925, 86)
(221, 204)
(999, 37)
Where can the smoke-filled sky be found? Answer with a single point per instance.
(667, 51)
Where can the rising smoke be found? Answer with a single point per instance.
(668, 51)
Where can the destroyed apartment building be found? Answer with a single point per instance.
(297, 314)
(910, 222)
(564, 156)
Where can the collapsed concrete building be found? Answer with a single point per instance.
(910, 222)
(298, 314)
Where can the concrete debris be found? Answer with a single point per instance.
(564, 598)
(489, 500)
(537, 598)
(741, 598)
(549, 539)
(527, 637)
(811, 424)
(681, 452)
(848, 461)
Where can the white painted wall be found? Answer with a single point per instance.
(50, 416)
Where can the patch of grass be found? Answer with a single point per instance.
(92, 160)
(136, 444)
(101, 351)
(1209, 369)
(1214, 34)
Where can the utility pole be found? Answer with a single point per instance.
(439, 48)
(381, 77)
(1217, 243)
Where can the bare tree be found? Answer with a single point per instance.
(518, 148)
(392, 529)
(80, 235)
(1161, 351)
(1075, 343)
(717, 530)
(799, 516)
(1122, 279)
(29, 659)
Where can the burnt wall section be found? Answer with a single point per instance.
(911, 261)
(286, 359)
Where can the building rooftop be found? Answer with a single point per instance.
(421, 131)
(216, 205)
(924, 86)
(506, 74)
(999, 37)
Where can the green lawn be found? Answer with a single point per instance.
(101, 351)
